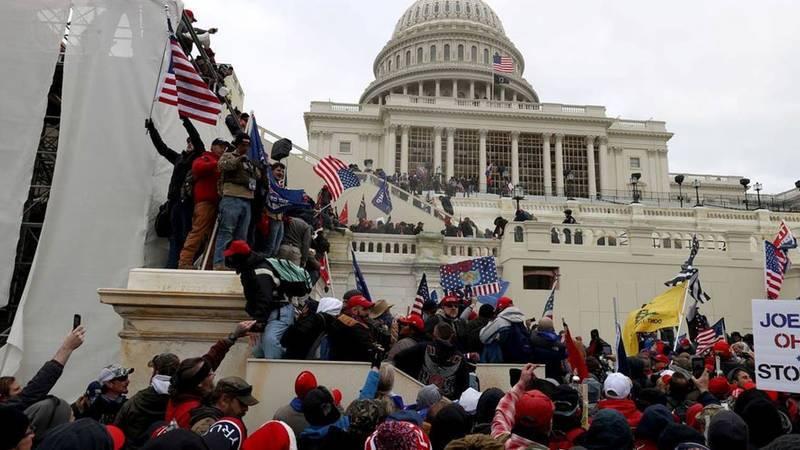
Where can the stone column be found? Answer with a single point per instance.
(437, 150)
(514, 98)
(559, 165)
(547, 172)
(438, 89)
(404, 149)
(603, 153)
(488, 91)
(405, 89)
(420, 90)
(472, 90)
(515, 159)
(502, 94)
(451, 133)
(482, 162)
(313, 142)
(590, 166)
(390, 139)
(455, 88)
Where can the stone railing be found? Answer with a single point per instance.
(525, 107)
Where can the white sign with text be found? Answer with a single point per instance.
(776, 338)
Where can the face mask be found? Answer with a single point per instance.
(160, 383)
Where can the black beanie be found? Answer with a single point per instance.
(764, 421)
(675, 434)
(319, 407)
(15, 425)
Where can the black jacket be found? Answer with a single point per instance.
(139, 412)
(350, 340)
(440, 355)
(470, 339)
(258, 286)
(182, 161)
(304, 332)
(548, 349)
(38, 388)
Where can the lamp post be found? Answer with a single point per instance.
(570, 177)
(696, 185)
(745, 182)
(758, 188)
(519, 194)
(634, 181)
(679, 179)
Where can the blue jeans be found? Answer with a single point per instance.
(180, 218)
(234, 219)
(274, 238)
(279, 321)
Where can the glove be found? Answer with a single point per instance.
(148, 123)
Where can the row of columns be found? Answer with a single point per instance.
(472, 90)
(389, 157)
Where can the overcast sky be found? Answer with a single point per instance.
(723, 74)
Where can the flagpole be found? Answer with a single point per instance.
(681, 316)
(618, 334)
(160, 67)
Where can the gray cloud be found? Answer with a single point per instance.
(722, 74)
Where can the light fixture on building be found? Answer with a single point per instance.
(797, 184)
(696, 185)
(679, 179)
(758, 188)
(745, 182)
(635, 177)
(519, 194)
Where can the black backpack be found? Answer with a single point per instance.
(517, 346)
(162, 224)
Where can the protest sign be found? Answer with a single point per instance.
(776, 338)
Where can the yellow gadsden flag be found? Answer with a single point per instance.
(663, 311)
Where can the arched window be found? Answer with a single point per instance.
(389, 66)
(486, 56)
(397, 62)
(469, 10)
(460, 52)
(474, 54)
(419, 55)
(447, 7)
(425, 13)
(408, 58)
(432, 56)
(447, 52)
(458, 6)
(416, 14)
(436, 8)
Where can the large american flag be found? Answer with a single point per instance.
(549, 305)
(479, 275)
(183, 87)
(423, 295)
(775, 263)
(503, 64)
(336, 175)
(708, 337)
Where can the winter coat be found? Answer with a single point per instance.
(471, 341)
(206, 176)
(503, 422)
(548, 350)
(181, 162)
(350, 340)
(38, 388)
(301, 336)
(259, 285)
(139, 412)
(293, 415)
(626, 407)
(437, 363)
(103, 409)
(238, 176)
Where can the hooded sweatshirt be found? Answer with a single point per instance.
(624, 406)
(330, 305)
(491, 332)
(137, 414)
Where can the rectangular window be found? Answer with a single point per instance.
(344, 147)
(538, 278)
(466, 150)
(575, 162)
(531, 170)
(498, 155)
(420, 149)
(636, 163)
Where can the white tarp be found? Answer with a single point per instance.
(31, 33)
(108, 181)
(776, 337)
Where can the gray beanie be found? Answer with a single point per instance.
(427, 396)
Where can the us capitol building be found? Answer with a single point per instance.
(433, 105)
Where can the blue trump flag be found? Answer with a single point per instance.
(361, 284)
(383, 199)
(492, 298)
(280, 199)
(256, 152)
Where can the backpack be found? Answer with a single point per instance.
(516, 346)
(294, 281)
(163, 225)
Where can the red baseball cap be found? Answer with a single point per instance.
(190, 14)
(535, 410)
(272, 435)
(305, 382)
(359, 300)
(503, 303)
(237, 247)
(722, 346)
(337, 396)
(413, 320)
(719, 387)
(448, 300)
(117, 436)
(662, 359)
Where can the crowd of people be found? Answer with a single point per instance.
(657, 400)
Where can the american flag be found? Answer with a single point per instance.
(708, 337)
(423, 295)
(775, 262)
(479, 274)
(503, 64)
(183, 87)
(784, 239)
(549, 305)
(336, 175)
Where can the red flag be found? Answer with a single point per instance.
(343, 215)
(324, 270)
(574, 355)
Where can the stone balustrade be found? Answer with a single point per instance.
(510, 106)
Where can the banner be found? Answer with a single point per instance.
(662, 312)
(776, 338)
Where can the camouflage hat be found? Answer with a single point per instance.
(365, 414)
(239, 388)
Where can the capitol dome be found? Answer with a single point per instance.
(445, 48)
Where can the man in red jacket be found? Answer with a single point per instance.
(205, 175)
(617, 391)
